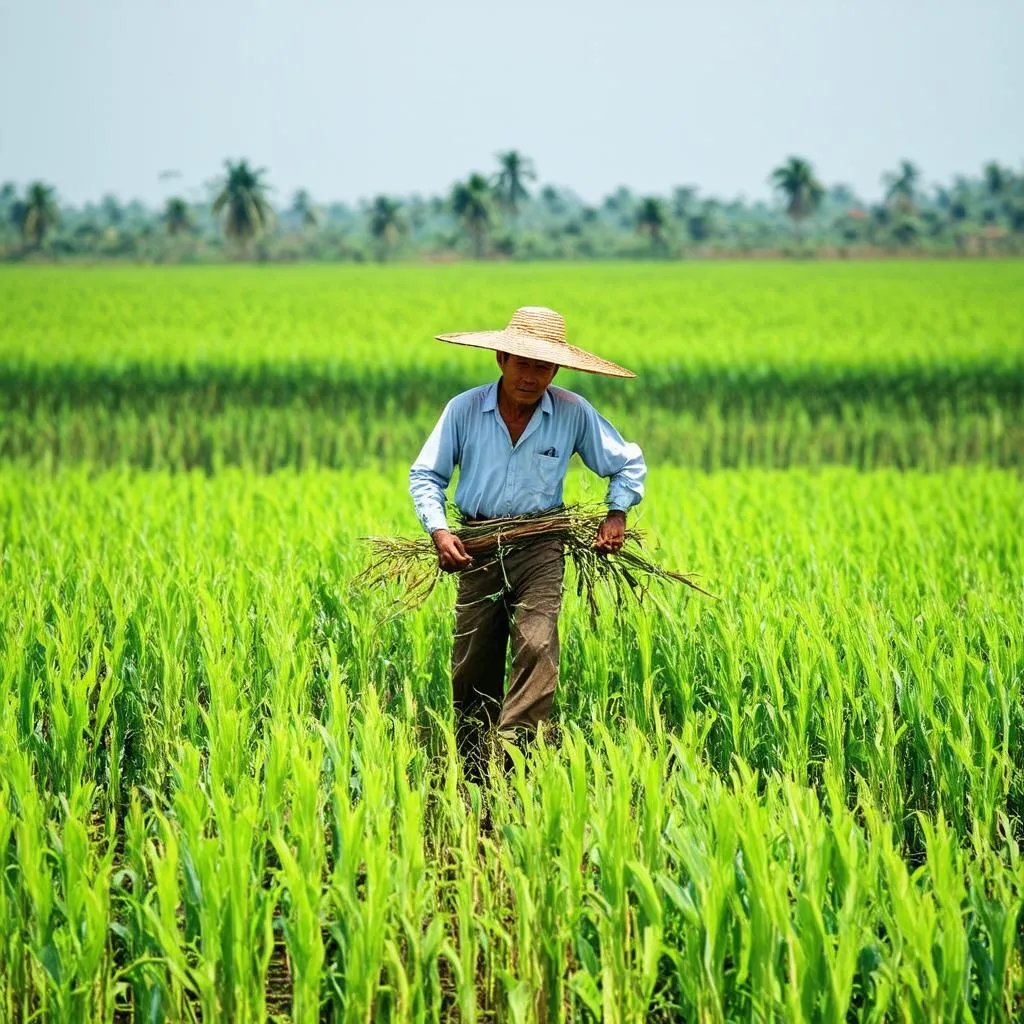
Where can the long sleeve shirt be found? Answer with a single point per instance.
(498, 478)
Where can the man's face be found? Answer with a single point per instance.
(524, 380)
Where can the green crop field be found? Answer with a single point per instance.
(762, 364)
(228, 785)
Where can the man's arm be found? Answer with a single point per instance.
(429, 477)
(604, 451)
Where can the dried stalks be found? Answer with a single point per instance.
(412, 563)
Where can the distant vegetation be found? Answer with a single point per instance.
(505, 215)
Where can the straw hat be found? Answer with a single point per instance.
(535, 332)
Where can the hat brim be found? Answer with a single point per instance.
(530, 347)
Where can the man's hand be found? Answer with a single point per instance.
(451, 555)
(611, 533)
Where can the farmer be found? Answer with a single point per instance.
(512, 441)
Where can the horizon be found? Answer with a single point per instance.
(201, 195)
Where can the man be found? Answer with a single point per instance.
(512, 441)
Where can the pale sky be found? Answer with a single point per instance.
(352, 99)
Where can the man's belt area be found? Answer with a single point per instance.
(539, 540)
(497, 519)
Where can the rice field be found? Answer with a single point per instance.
(218, 759)
(907, 365)
(228, 786)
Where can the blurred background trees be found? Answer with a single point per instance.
(472, 204)
(176, 216)
(242, 204)
(386, 225)
(514, 170)
(801, 190)
(36, 214)
(304, 211)
(502, 215)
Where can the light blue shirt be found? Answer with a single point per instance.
(497, 478)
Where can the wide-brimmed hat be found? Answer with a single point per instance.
(535, 332)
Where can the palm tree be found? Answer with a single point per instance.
(385, 224)
(650, 221)
(997, 180)
(704, 223)
(471, 203)
(243, 200)
(802, 191)
(176, 217)
(36, 214)
(901, 187)
(513, 170)
(303, 208)
(998, 185)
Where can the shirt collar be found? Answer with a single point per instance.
(490, 400)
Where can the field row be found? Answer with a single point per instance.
(227, 785)
(168, 436)
(679, 320)
(906, 365)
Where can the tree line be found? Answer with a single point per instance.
(504, 215)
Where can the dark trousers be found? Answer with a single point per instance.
(515, 596)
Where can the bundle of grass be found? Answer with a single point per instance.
(412, 563)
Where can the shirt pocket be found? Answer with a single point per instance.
(547, 470)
